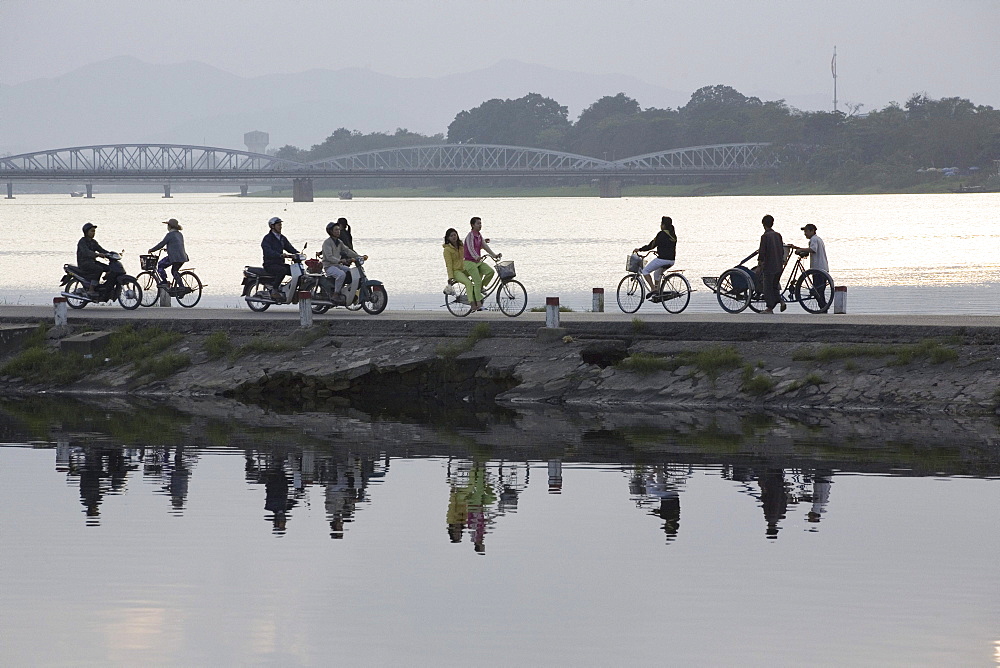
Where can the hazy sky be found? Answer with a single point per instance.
(887, 49)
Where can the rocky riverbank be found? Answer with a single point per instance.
(422, 367)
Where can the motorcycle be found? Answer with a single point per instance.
(125, 289)
(358, 292)
(256, 280)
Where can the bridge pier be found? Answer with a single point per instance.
(611, 187)
(302, 190)
(166, 190)
(90, 191)
(10, 190)
(244, 189)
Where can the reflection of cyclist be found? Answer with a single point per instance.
(665, 243)
(479, 272)
(454, 264)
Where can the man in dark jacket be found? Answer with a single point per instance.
(275, 245)
(771, 262)
(87, 252)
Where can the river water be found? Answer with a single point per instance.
(895, 253)
(227, 535)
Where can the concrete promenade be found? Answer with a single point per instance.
(747, 326)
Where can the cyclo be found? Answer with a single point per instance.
(742, 286)
(511, 297)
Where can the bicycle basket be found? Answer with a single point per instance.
(633, 263)
(147, 262)
(506, 270)
(314, 266)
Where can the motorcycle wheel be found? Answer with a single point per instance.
(75, 287)
(258, 291)
(374, 299)
(317, 294)
(129, 294)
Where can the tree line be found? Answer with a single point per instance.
(898, 146)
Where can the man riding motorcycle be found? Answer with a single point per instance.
(334, 253)
(87, 250)
(276, 248)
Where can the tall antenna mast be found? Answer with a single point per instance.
(833, 70)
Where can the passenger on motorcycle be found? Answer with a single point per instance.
(87, 250)
(176, 256)
(276, 248)
(336, 254)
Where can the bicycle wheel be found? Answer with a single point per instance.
(458, 304)
(75, 287)
(732, 291)
(631, 293)
(675, 292)
(189, 290)
(150, 293)
(814, 291)
(512, 298)
(374, 299)
(258, 290)
(129, 294)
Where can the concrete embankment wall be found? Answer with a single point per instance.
(741, 363)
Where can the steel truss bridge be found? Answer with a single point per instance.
(173, 163)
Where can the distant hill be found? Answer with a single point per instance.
(124, 100)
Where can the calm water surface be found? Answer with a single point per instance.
(896, 253)
(153, 536)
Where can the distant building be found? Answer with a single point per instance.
(256, 141)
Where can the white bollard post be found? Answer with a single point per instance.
(598, 306)
(59, 305)
(305, 309)
(840, 299)
(551, 312)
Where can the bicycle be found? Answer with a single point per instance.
(673, 291)
(740, 288)
(511, 297)
(185, 287)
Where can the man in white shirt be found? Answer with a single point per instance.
(817, 260)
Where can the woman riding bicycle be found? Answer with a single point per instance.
(479, 272)
(454, 263)
(665, 243)
(176, 256)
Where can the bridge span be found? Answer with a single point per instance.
(175, 163)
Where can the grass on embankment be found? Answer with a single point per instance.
(902, 353)
(143, 349)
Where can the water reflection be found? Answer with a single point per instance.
(782, 465)
(478, 496)
(556, 518)
(657, 489)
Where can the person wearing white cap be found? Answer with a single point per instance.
(817, 260)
